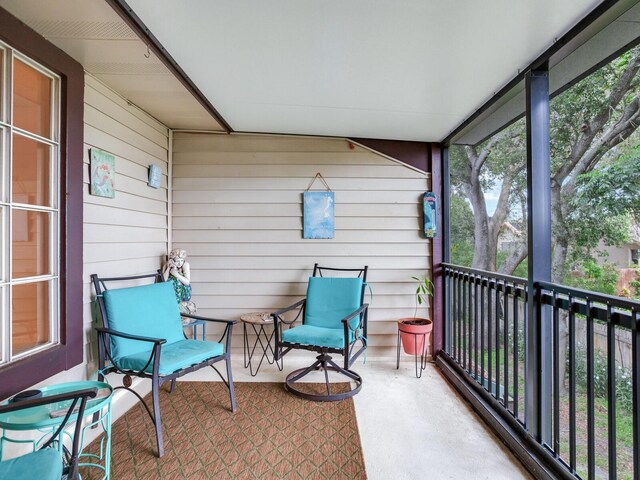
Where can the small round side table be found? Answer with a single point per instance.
(40, 420)
(257, 321)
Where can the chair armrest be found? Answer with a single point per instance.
(61, 397)
(207, 319)
(290, 307)
(359, 311)
(115, 333)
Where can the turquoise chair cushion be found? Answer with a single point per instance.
(45, 464)
(316, 336)
(174, 356)
(148, 311)
(330, 299)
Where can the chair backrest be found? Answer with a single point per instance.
(330, 299)
(148, 311)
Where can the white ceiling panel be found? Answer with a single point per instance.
(409, 70)
(94, 34)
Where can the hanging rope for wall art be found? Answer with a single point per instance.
(318, 211)
(319, 175)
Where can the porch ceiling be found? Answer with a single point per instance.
(368, 69)
(95, 35)
(376, 69)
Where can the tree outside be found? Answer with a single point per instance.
(595, 194)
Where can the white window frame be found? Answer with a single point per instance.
(7, 132)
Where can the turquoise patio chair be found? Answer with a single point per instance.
(48, 462)
(142, 336)
(334, 320)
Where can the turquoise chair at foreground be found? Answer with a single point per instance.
(334, 321)
(143, 337)
(47, 463)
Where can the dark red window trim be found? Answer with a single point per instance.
(23, 373)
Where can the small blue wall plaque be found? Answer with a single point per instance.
(155, 176)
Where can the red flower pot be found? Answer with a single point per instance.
(415, 334)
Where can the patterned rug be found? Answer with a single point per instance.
(273, 435)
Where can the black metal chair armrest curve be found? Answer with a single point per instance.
(128, 336)
(228, 329)
(277, 319)
(298, 304)
(209, 319)
(359, 311)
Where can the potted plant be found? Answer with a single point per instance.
(416, 332)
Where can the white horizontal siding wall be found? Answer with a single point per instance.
(127, 234)
(237, 210)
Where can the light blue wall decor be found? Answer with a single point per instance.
(103, 172)
(155, 176)
(429, 209)
(319, 215)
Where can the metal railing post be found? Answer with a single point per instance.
(446, 187)
(539, 358)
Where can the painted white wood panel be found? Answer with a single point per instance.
(298, 184)
(126, 234)
(360, 210)
(384, 272)
(277, 158)
(364, 198)
(256, 144)
(238, 212)
(288, 223)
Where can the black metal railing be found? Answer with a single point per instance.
(487, 321)
(595, 404)
(591, 419)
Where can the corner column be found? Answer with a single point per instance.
(538, 361)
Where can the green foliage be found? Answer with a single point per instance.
(462, 222)
(624, 384)
(595, 200)
(423, 291)
(462, 231)
(635, 285)
(522, 270)
(596, 278)
(613, 188)
(462, 254)
(605, 205)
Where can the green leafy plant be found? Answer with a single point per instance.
(423, 291)
(623, 379)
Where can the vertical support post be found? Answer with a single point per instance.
(539, 359)
(437, 250)
(635, 372)
(446, 253)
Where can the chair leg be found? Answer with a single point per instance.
(173, 385)
(232, 393)
(155, 391)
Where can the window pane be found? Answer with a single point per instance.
(30, 316)
(30, 242)
(31, 171)
(31, 99)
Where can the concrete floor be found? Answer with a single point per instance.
(410, 428)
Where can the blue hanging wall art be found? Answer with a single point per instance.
(319, 215)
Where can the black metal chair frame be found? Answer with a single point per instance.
(70, 469)
(108, 365)
(324, 361)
